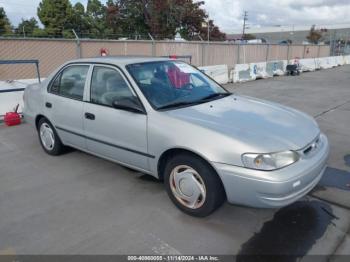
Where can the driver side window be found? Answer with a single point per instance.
(108, 85)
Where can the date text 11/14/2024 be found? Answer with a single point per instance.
(173, 258)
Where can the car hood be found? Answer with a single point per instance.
(265, 126)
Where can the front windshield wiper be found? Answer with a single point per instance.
(191, 103)
(178, 104)
(212, 96)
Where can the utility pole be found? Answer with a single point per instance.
(208, 32)
(24, 32)
(208, 26)
(245, 19)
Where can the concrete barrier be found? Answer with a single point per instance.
(252, 71)
(307, 64)
(318, 63)
(347, 59)
(334, 61)
(259, 70)
(242, 73)
(326, 62)
(11, 94)
(276, 68)
(339, 60)
(218, 72)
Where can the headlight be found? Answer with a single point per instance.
(269, 161)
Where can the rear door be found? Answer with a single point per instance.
(114, 133)
(64, 104)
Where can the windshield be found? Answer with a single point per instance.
(171, 84)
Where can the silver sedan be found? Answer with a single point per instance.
(167, 119)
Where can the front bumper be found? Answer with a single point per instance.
(269, 189)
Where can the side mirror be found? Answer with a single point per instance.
(130, 104)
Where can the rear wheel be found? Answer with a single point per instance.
(193, 185)
(49, 139)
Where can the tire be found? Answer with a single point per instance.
(49, 139)
(199, 179)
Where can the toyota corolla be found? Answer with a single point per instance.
(166, 118)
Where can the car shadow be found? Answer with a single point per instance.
(334, 177)
(290, 234)
(149, 178)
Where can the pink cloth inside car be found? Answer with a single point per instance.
(178, 78)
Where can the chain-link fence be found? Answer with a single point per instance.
(50, 54)
(53, 52)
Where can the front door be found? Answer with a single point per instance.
(113, 133)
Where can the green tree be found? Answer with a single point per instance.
(5, 25)
(314, 35)
(214, 32)
(162, 18)
(188, 18)
(96, 17)
(56, 16)
(128, 17)
(27, 27)
(79, 19)
(192, 18)
(39, 32)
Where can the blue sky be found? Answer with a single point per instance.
(228, 13)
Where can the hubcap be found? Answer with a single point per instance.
(47, 136)
(187, 186)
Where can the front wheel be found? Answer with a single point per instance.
(49, 139)
(193, 185)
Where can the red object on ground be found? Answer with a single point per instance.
(173, 56)
(12, 119)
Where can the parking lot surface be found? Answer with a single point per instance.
(79, 204)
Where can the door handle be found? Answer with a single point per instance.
(48, 105)
(89, 116)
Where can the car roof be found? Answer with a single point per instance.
(120, 60)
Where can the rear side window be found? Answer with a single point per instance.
(107, 86)
(70, 82)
